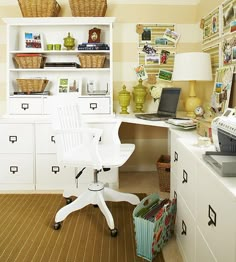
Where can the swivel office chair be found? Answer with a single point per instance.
(78, 146)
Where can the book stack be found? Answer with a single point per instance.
(93, 46)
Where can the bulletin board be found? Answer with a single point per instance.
(156, 48)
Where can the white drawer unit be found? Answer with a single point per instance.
(52, 176)
(185, 231)
(16, 138)
(206, 204)
(95, 105)
(186, 175)
(16, 169)
(45, 138)
(216, 214)
(203, 252)
(25, 106)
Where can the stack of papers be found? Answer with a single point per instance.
(183, 123)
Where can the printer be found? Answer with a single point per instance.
(223, 160)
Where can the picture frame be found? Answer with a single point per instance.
(33, 41)
(66, 85)
(146, 35)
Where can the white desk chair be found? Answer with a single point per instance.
(78, 146)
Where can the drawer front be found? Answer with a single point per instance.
(216, 213)
(186, 177)
(16, 138)
(25, 106)
(50, 175)
(95, 105)
(185, 231)
(203, 252)
(16, 169)
(45, 139)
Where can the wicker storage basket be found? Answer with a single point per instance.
(30, 61)
(163, 170)
(88, 7)
(39, 8)
(31, 85)
(91, 60)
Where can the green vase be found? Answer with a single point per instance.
(69, 42)
(124, 100)
(139, 94)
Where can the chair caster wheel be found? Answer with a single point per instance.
(114, 232)
(57, 226)
(68, 200)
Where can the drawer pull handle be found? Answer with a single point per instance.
(185, 177)
(25, 106)
(53, 139)
(13, 139)
(175, 195)
(211, 216)
(93, 106)
(55, 169)
(13, 169)
(184, 228)
(175, 157)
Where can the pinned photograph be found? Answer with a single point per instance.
(171, 35)
(161, 41)
(165, 75)
(233, 26)
(146, 35)
(148, 49)
(214, 27)
(164, 56)
(152, 59)
(141, 72)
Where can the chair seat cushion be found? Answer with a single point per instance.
(111, 155)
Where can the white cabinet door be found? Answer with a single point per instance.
(16, 169)
(216, 214)
(16, 138)
(185, 231)
(51, 176)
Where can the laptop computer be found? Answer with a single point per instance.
(167, 106)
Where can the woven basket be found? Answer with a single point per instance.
(30, 61)
(91, 60)
(31, 85)
(163, 170)
(39, 8)
(90, 8)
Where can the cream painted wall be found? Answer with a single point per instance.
(150, 142)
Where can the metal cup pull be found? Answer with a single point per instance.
(185, 177)
(12, 139)
(53, 139)
(13, 169)
(55, 169)
(25, 106)
(93, 106)
(184, 228)
(175, 156)
(211, 216)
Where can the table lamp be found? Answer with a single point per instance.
(192, 67)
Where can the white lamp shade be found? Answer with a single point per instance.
(192, 66)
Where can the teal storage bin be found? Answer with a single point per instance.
(153, 229)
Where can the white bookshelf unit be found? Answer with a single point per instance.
(53, 31)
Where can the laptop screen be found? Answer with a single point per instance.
(169, 100)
